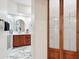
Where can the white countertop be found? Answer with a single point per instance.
(21, 33)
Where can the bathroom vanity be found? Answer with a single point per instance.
(21, 40)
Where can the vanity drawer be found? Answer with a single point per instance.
(16, 41)
(27, 40)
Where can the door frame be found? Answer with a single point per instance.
(77, 30)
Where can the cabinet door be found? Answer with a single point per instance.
(16, 41)
(28, 40)
(22, 40)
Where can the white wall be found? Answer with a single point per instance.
(39, 38)
(3, 5)
(3, 45)
(12, 7)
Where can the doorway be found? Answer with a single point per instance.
(63, 41)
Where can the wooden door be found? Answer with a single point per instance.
(62, 36)
(70, 49)
(53, 30)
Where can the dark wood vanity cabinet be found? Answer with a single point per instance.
(21, 40)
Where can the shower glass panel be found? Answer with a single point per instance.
(54, 24)
(70, 25)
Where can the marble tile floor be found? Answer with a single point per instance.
(20, 53)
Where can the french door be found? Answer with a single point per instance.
(63, 31)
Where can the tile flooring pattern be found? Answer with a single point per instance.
(20, 53)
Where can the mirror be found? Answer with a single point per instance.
(15, 29)
(20, 26)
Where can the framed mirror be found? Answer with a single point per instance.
(20, 26)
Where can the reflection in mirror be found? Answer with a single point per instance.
(15, 43)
